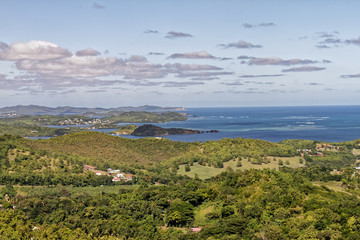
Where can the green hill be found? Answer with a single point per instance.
(107, 149)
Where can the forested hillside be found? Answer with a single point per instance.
(48, 192)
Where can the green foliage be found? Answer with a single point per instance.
(179, 213)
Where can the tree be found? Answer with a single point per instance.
(9, 190)
(179, 213)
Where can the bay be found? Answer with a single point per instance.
(323, 123)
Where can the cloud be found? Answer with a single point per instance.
(3, 45)
(315, 84)
(331, 40)
(204, 78)
(157, 93)
(87, 52)
(327, 34)
(279, 61)
(353, 41)
(137, 58)
(322, 46)
(156, 53)
(304, 69)
(267, 24)
(46, 66)
(240, 44)
(233, 83)
(260, 83)
(250, 91)
(192, 55)
(244, 57)
(182, 84)
(351, 76)
(148, 31)
(98, 6)
(97, 91)
(190, 67)
(74, 66)
(67, 92)
(145, 83)
(225, 59)
(33, 50)
(261, 76)
(278, 91)
(247, 25)
(202, 74)
(173, 35)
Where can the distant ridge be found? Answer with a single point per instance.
(67, 110)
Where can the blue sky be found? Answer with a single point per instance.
(110, 53)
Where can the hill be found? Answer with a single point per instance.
(152, 130)
(67, 110)
(104, 149)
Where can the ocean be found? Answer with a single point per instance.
(323, 123)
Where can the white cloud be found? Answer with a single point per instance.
(192, 55)
(33, 50)
(190, 67)
(279, 61)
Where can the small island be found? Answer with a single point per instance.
(148, 130)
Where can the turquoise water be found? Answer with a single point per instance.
(325, 123)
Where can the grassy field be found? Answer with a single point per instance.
(356, 151)
(332, 185)
(200, 214)
(205, 172)
(30, 190)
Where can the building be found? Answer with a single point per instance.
(89, 168)
(115, 179)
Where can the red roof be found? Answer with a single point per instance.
(89, 166)
(195, 229)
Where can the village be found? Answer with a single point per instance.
(320, 148)
(80, 121)
(116, 175)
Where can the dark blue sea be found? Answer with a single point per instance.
(323, 123)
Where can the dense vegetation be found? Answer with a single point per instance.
(152, 130)
(26, 130)
(70, 203)
(235, 205)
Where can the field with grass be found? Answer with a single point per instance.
(356, 151)
(205, 172)
(332, 185)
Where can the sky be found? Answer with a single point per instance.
(189, 53)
